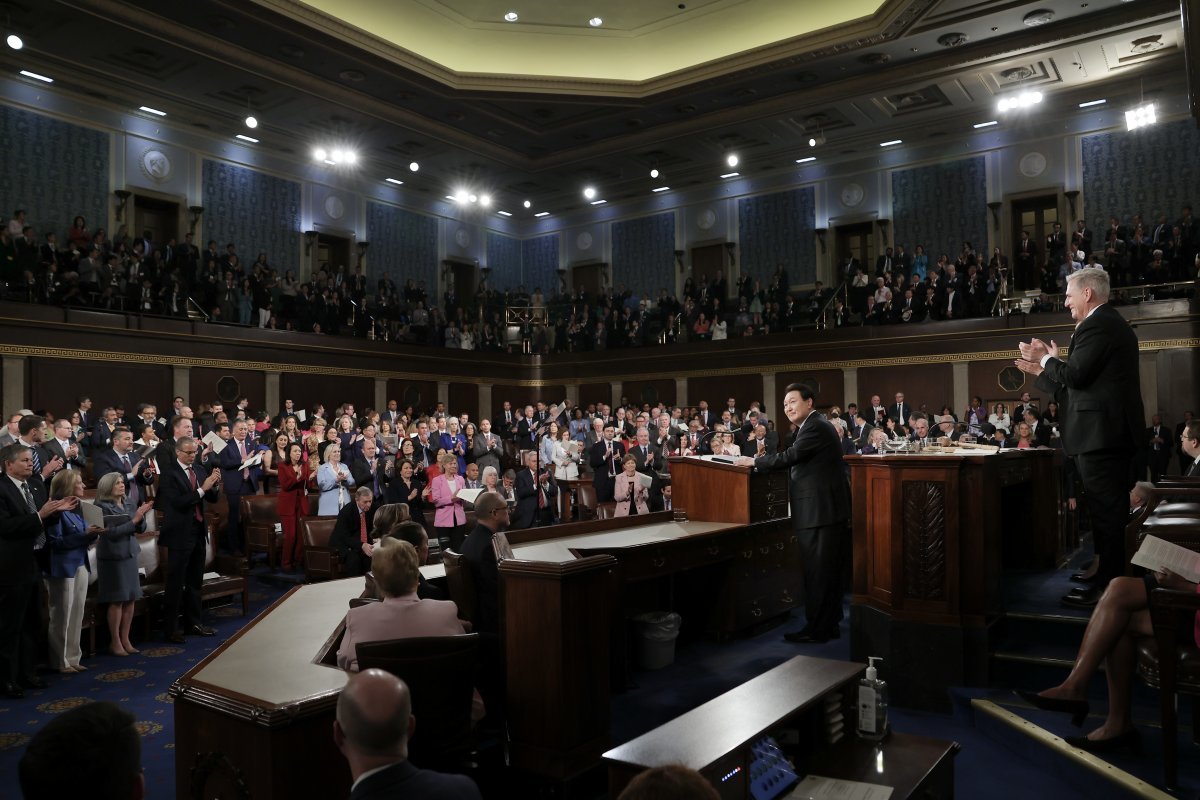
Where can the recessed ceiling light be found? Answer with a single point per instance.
(251, 121)
(806, 160)
(892, 142)
(731, 159)
(351, 157)
(731, 174)
(245, 138)
(15, 42)
(474, 198)
(1090, 103)
(527, 204)
(395, 181)
(595, 22)
(598, 202)
(413, 166)
(1140, 117)
(1022, 100)
(661, 189)
(153, 111)
(452, 197)
(461, 196)
(542, 214)
(485, 200)
(654, 172)
(36, 77)
(319, 154)
(511, 17)
(331, 163)
(987, 124)
(589, 192)
(337, 155)
(504, 213)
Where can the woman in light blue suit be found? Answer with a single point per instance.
(68, 538)
(334, 481)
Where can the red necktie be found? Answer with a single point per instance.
(242, 450)
(541, 494)
(192, 479)
(362, 526)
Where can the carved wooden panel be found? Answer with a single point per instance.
(924, 530)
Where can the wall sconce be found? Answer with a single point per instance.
(679, 254)
(196, 212)
(1071, 197)
(820, 234)
(123, 196)
(362, 251)
(729, 248)
(995, 208)
(310, 238)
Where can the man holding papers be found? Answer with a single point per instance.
(240, 472)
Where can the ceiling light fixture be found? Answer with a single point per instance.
(527, 204)
(661, 189)
(511, 17)
(413, 166)
(452, 198)
(473, 197)
(245, 138)
(251, 121)
(731, 174)
(892, 142)
(351, 157)
(1019, 101)
(816, 141)
(1140, 117)
(15, 42)
(153, 111)
(987, 124)
(395, 181)
(485, 200)
(654, 172)
(542, 214)
(595, 22)
(589, 192)
(319, 154)
(731, 159)
(1091, 103)
(504, 213)
(806, 160)
(598, 202)
(461, 196)
(36, 76)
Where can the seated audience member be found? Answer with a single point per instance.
(947, 427)
(414, 533)
(374, 723)
(402, 614)
(672, 782)
(920, 426)
(91, 751)
(1121, 618)
(351, 537)
(631, 496)
(491, 513)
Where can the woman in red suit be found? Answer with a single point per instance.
(292, 503)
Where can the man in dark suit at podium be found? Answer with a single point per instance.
(1098, 388)
(820, 496)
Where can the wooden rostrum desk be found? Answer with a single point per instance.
(254, 718)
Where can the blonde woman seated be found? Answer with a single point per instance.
(627, 487)
(401, 614)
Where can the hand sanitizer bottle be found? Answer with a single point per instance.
(872, 704)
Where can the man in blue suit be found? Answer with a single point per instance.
(183, 488)
(374, 723)
(135, 472)
(238, 482)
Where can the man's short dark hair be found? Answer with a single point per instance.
(1192, 429)
(916, 415)
(411, 532)
(806, 391)
(91, 751)
(28, 423)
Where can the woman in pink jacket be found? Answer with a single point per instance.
(449, 517)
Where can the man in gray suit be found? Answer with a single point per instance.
(820, 496)
(487, 446)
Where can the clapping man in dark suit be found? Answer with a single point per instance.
(486, 446)
(184, 487)
(238, 482)
(1098, 388)
(61, 448)
(605, 458)
(368, 470)
(23, 512)
(536, 495)
(820, 499)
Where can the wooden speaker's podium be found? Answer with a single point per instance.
(712, 491)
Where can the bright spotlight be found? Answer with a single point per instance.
(337, 156)
(461, 196)
(589, 193)
(654, 173)
(251, 122)
(413, 166)
(511, 16)
(595, 22)
(473, 198)
(527, 204)
(485, 200)
(732, 160)
(15, 42)
(320, 155)
(1140, 117)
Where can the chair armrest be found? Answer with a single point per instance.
(1170, 599)
(226, 564)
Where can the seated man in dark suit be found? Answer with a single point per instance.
(374, 723)
(351, 537)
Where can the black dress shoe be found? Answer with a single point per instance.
(1081, 577)
(201, 630)
(175, 638)
(34, 682)
(14, 691)
(1086, 598)
(1130, 740)
(1078, 709)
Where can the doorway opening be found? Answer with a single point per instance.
(155, 219)
(1037, 216)
(333, 253)
(857, 241)
(589, 277)
(464, 277)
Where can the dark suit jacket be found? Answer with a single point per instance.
(231, 476)
(19, 527)
(527, 498)
(482, 455)
(361, 473)
(346, 541)
(817, 483)
(107, 460)
(177, 501)
(899, 412)
(51, 449)
(1097, 387)
(405, 780)
(481, 561)
(600, 466)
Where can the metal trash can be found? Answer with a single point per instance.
(656, 635)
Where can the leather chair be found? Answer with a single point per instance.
(460, 585)
(586, 502)
(260, 515)
(320, 561)
(606, 510)
(440, 673)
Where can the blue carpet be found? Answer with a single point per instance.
(139, 683)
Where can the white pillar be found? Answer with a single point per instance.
(849, 387)
(572, 394)
(381, 397)
(443, 394)
(181, 384)
(962, 389)
(272, 402)
(617, 388)
(485, 400)
(15, 369)
(1148, 374)
(681, 392)
(768, 398)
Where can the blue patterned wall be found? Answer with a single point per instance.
(54, 170)
(940, 207)
(259, 213)
(1146, 171)
(643, 254)
(504, 259)
(403, 245)
(539, 264)
(778, 228)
